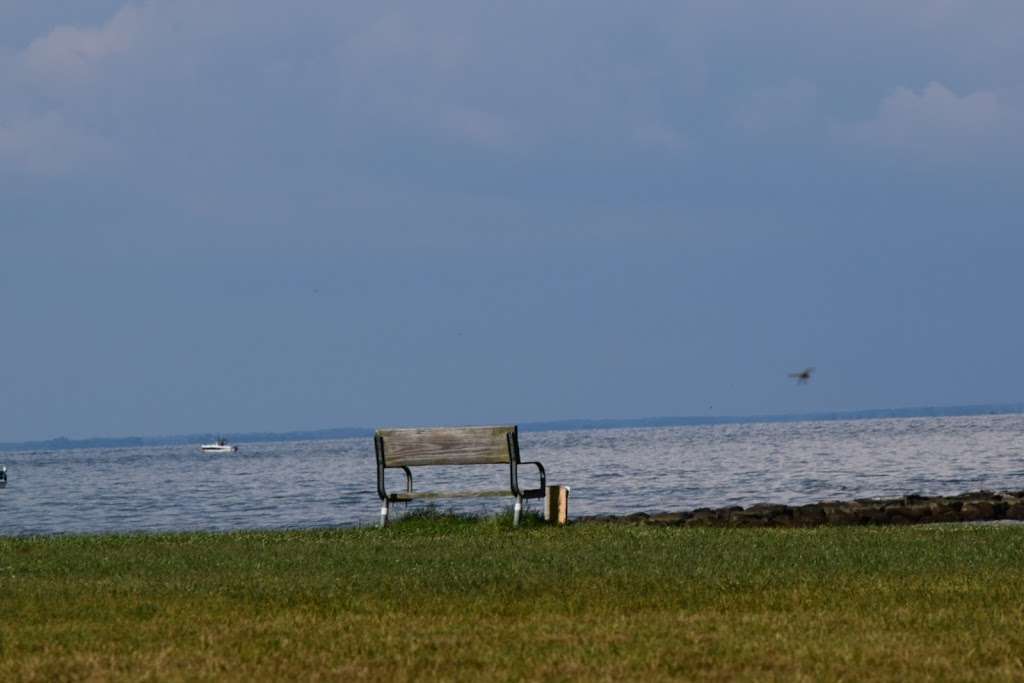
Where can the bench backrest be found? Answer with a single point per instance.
(447, 446)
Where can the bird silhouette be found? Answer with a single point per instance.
(802, 377)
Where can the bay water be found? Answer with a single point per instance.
(310, 484)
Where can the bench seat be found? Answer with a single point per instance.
(419, 495)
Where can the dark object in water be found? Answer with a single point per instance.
(3, 477)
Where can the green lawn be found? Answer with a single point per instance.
(455, 599)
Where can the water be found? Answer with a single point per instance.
(333, 483)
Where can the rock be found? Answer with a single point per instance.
(1015, 511)
(748, 518)
(871, 515)
(839, 514)
(919, 512)
(667, 518)
(598, 518)
(701, 517)
(910, 509)
(977, 511)
(942, 512)
(762, 514)
(769, 510)
(896, 514)
(809, 515)
(906, 514)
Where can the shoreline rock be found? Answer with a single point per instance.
(974, 506)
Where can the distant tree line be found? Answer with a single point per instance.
(64, 443)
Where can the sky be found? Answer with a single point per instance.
(262, 216)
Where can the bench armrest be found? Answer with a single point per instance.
(382, 492)
(529, 493)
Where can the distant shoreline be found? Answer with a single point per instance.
(63, 443)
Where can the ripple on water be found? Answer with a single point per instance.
(618, 471)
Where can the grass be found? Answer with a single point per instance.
(449, 598)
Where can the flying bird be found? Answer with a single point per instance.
(802, 377)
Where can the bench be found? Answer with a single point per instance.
(407, 448)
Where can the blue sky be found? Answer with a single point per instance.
(243, 216)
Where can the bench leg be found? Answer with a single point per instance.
(516, 510)
(383, 513)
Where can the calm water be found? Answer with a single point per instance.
(332, 483)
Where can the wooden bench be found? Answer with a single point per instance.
(407, 448)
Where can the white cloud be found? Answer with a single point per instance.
(71, 91)
(517, 75)
(42, 127)
(71, 54)
(220, 77)
(935, 122)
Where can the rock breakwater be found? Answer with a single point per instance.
(975, 506)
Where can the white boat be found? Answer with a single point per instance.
(222, 446)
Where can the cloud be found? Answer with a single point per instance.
(71, 54)
(519, 74)
(480, 127)
(47, 145)
(413, 38)
(659, 136)
(225, 82)
(46, 118)
(773, 109)
(935, 122)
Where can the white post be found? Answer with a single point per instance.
(383, 514)
(516, 510)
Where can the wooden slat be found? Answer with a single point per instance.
(447, 494)
(446, 446)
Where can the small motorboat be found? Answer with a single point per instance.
(222, 446)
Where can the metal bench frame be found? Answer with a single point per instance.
(512, 442)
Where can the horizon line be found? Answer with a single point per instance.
(568, 424)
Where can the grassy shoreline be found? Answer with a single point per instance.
(466, 599)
